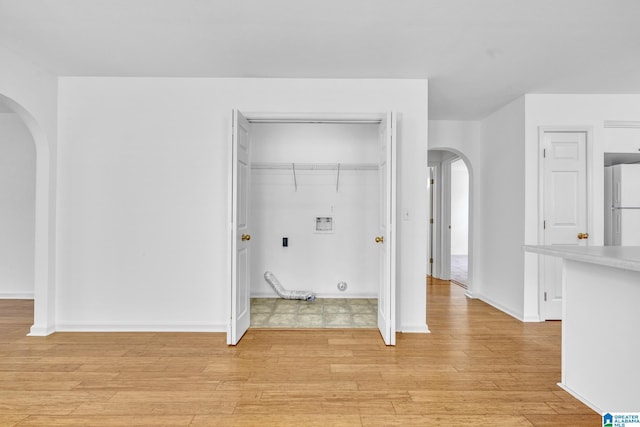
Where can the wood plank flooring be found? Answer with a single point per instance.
(478, 367)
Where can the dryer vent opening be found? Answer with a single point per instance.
(273, 281)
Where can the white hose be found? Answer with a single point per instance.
(273, 281)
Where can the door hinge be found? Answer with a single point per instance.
(430, 260)
(544, 153)
(432, 181)
(431, 221)
(545, 297)
(544, 224)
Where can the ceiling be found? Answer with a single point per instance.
(477, 54)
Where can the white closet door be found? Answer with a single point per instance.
(386, 233)
(565, 209)
(240, 237)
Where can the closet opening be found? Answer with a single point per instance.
(314, 188)
(313, 201)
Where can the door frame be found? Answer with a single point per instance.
(277, 117)
(431, 268)
(588, 131)
(449, 213)
(435, 235)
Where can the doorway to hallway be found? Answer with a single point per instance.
(449, 194)
(17, 206)
(459, 224)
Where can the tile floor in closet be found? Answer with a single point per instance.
(322, 313)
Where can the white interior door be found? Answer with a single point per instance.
(431, 219)
(240, 237)
(565, 209)
(387, 233)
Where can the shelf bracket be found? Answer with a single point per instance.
(295, 180)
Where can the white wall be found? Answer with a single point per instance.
(459, 208)
(568, 111)
(315, 261)
(505, 214)
(314, 142)
(501, 209)
(33, 88)
(458, 136)
(494, 149)
(143, 193)
(17, 208)
(31, 92)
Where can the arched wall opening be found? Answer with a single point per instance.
(43, 223)
(451, 236)
(17, 206)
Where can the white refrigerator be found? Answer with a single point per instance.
(622, 205)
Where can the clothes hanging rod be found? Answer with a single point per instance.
(307, 121)
(315, 166)
(317, 117)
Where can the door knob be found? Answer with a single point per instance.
(380, 239)
(583, 236)
(246, 237)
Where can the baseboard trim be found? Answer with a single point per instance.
(415, 329)
(580, 398)
(141, 327)
(16, 295)
(40, 331)
(500, 307)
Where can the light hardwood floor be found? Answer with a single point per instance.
(478, 367)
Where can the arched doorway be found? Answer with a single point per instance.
(17, 207)
(451, 224)
(44, 222)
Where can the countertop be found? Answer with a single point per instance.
(624, 257)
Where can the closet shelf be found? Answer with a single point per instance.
(316, 167)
